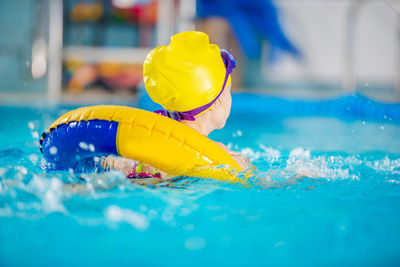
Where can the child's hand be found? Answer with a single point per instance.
(240, 158)
(117, 163)
(126, 166)
(150, 169)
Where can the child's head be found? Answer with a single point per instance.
(191, 78)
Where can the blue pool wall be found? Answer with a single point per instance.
(350, 106)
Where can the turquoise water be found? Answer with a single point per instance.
(327, 192)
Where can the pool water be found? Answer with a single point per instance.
(327, 192)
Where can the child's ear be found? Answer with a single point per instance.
(213, 107)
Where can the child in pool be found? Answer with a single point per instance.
(190, 79)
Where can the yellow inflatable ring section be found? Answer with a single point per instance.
(168, 145)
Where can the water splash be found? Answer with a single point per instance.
(300, 162)
(27, 192)
(385, 165)
(115, 214)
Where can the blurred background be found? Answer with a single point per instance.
(93, 50)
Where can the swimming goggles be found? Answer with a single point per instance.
(138, 173)
(230, 64)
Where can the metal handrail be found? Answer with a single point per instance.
(349, 79)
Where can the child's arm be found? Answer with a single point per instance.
(126, 165)
(117, 163)
(240, 158)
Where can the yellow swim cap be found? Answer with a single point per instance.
(186, 74)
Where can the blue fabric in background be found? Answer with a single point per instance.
(252, 21)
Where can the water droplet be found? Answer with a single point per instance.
(35, 135)
(91, 147)
(22, 170)
(31, 125)
(116, 214)
(33, 158)
(195, 243)
(382, 128)
(83, 145)
(53, 150)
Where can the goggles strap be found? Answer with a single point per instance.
(230, 64)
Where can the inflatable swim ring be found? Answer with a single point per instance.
(168, 145)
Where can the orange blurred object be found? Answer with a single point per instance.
(73, 64)
(147, 13)
(87, 12)
(120, 76)
(143, 13)
(82, 77)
